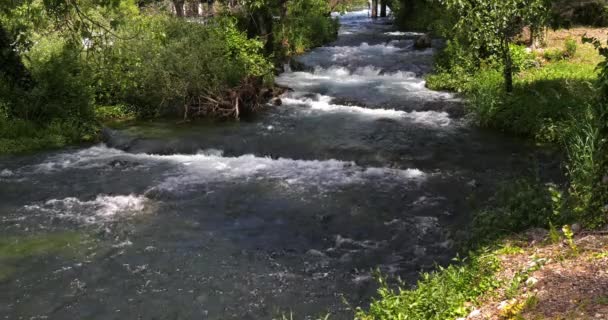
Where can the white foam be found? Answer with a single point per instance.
(319, 174)
(84, 159)
(389, 55)
(403, 33)
(102, 209)
(6, 173)
(210, 167)
(367, 85)
(323, 103)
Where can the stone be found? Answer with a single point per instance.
(576, 228)
(503, 304)
(536, 234)
(531, 282)
(315, 253)
(423, 42)
(605, 179)
(472, 183)
(475, 314)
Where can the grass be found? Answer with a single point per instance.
(447, 293)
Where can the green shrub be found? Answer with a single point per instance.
(554, 54)
(164, 63)
(571, 47)
(521, 58)
(306, 26)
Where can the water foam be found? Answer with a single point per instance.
(319, 174)
(367, 84)
(102, 209)
(211, 166)
(393, 55)
(323, 103)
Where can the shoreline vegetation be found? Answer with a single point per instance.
(73, 66)
(537, 250)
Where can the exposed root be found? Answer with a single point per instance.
(248, 97)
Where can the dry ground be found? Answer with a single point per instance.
(570, 283)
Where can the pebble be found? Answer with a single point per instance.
(474, 314)
(315, 253)
(531, 281)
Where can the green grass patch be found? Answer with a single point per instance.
(443, 294)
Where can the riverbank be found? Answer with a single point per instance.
(523, 264)
(58, 85)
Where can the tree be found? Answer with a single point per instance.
(491, 24)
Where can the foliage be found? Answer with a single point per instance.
(306, 25)
(165, 62)
(571, 47)
(422, 15)
(517, 206)
(586, 151)
(522, 59)
(554, 54)
(442, 294)
(489, 25)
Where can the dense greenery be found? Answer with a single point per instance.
(64, 59)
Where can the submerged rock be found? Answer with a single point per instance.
(423, 42)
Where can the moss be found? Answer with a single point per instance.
(6, 272)
(16, 249)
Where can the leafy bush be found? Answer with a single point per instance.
(571, 47)
(521, 58)
(62, 87)
(165, 62)
(306, 25)
(554, 55)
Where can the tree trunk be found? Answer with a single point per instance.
(11, 65)
(260, 24)
(383, 8)
(374, 9)
(508, 71)
(179, 7)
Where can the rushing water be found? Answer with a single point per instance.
(361, 168)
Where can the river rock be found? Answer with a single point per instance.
(422, 42)
(531, 282)
(536, 234)
(475, 314)
(576, 228)
(315, 253)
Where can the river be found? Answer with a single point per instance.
(362, 168)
